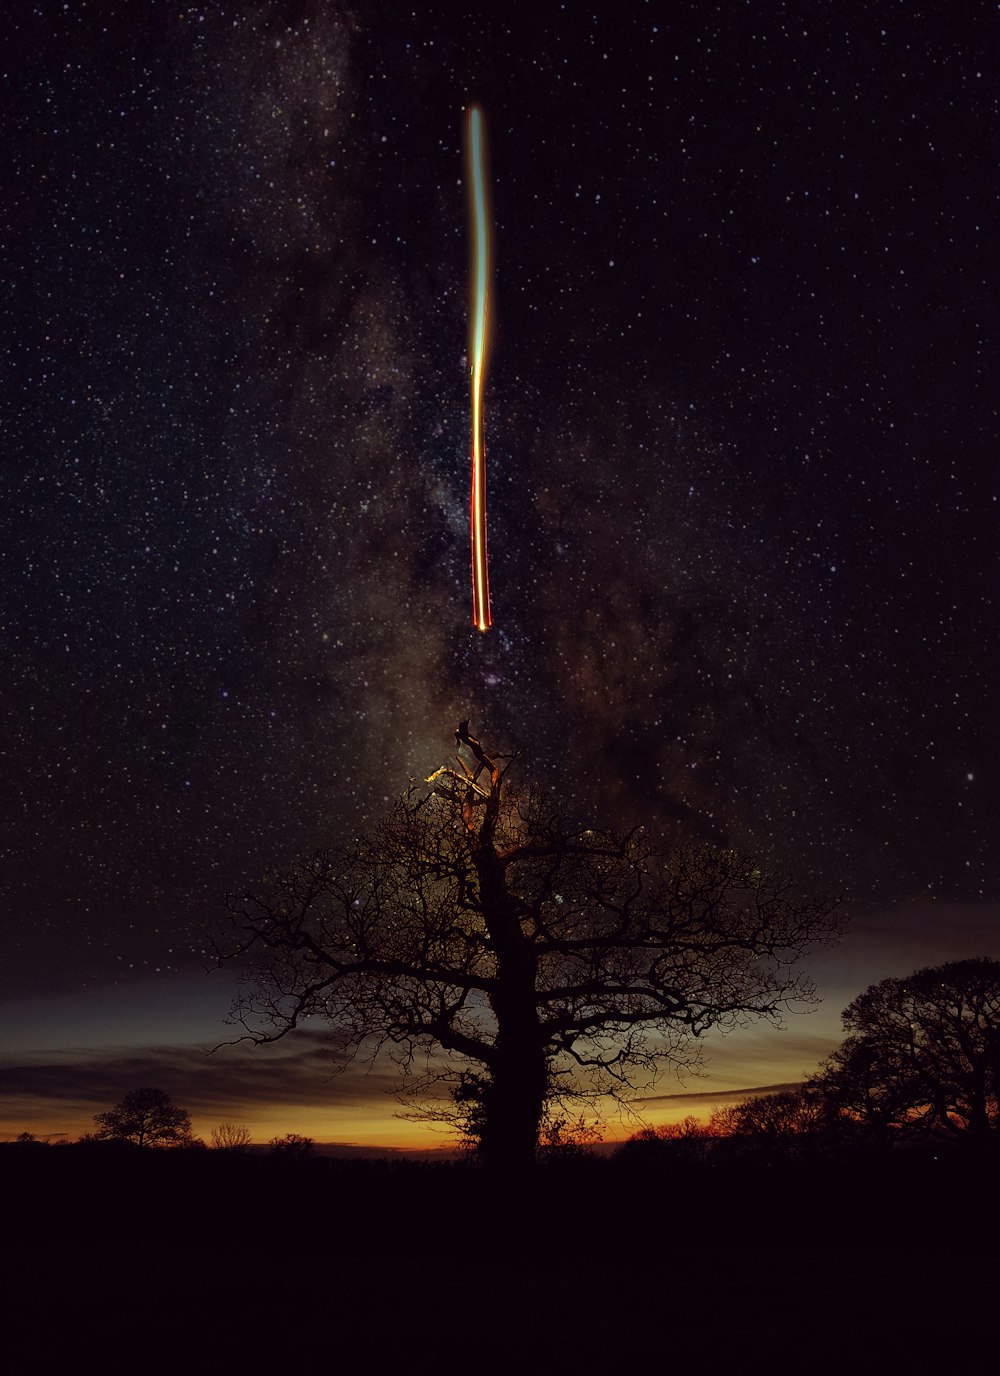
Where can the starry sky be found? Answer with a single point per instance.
(742, 463)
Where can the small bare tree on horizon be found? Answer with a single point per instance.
(146, 1118)
(231, 1137)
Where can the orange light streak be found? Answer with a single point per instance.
(478, 330)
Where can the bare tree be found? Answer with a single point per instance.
(868, 1097)
(923, 1054)
(231, 1137)
(147, 1118)
(788, 1123)
(687, 1143)
(562, 1138)
(542, 958)
(292, 1147)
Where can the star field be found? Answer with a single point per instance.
(740, 424)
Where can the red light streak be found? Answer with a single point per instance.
(478, 333)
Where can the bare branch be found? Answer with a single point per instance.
(476, 922)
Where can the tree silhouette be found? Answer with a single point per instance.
(790, 1123)
(923, 1054)
(231, 1137)
(687, 1143)
(292, 1147)
(868, 1096)
(147, 1118)
(543, 959)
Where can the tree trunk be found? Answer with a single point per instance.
(514, 1104)
(980, 1128)
(519, 1081)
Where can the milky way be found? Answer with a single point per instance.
(743, 437)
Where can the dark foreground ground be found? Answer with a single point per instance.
(151, 1261)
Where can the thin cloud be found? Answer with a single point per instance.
(230, 1080)
(718, 1096)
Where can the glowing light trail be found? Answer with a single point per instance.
(479, 321)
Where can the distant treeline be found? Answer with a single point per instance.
(646, 1195)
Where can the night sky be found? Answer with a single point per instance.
(742, 461)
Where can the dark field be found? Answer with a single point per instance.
(198, 1259)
